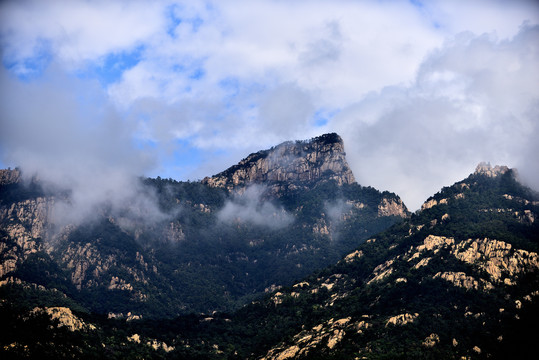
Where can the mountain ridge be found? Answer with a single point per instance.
(239, 243)
(457, 279)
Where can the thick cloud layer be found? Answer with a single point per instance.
(420, 92)
(474, 99)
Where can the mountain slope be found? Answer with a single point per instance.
(460, 278)
(217, 248)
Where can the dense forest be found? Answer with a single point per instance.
(410, 291)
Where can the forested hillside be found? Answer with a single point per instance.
(199, 247)
(457, 279)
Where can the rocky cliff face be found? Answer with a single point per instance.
(318, 159)
(486, 169)
(8, 176)
(24, 224)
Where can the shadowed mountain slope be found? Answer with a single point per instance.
(458, 279)
(215, 248)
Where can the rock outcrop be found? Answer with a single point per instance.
(25, 223)
(497, 258)
(487, 170)
(401, 319)
(8, 176)
(392, 207)
(318, 159)
(460, 279)
(65, 318)
(321, 337)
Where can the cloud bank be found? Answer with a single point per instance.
(420, 91)
(64, 131)
(474, 99)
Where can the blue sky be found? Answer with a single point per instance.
(420, 91)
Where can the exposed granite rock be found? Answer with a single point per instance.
(8, 265)
(433, 202)
(401, 319)
(119, 284)
(497, 258)
(81, 258)
(8, 176)
(65, 318)
(486, 169)
(32, 213)
(353, 256)
(322, 336)
(321, 158)
(433, 242)
(422, 262)
(460, 279)
(25, 222)
(428, 204)
(382, 271)
(388, 207)
(156, 345)
(431, 340)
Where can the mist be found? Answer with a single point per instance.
(63, 131)
(251, 207)
(336, 209)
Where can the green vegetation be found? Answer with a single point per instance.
(226, 266)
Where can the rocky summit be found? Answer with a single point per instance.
(290, 164)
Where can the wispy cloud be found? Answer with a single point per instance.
(64, 131)
(251, 207)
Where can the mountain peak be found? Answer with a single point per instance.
(318, 159)
(484, 168)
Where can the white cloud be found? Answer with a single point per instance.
(232, 77)
(251, 207)
(63, 130)
(474, 99)
(75, 31)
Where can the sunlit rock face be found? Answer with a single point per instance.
(65, 318)
(392, 207)
(487, 170)
(321, 158)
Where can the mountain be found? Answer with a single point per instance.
(276, 217)
(459, 279)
